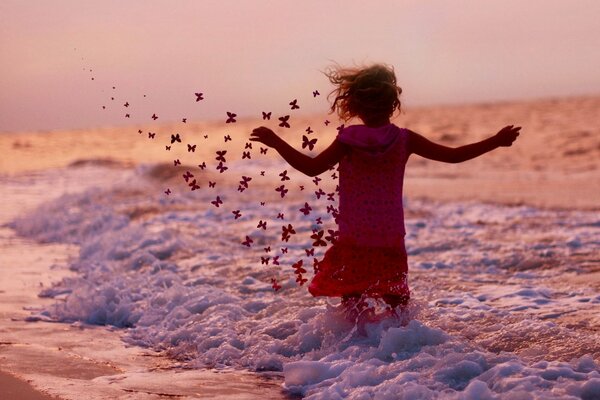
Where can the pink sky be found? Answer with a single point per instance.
(248, 56)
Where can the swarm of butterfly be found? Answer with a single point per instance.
(320, 238)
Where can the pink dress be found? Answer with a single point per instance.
(369, 257)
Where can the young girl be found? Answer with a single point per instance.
(369, 258)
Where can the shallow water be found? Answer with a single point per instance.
(497, 306)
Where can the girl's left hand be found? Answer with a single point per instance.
(266, 136)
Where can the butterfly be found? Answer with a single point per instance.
(221, 167)
(184, 120)
(245, 180)
(175, 138)
(248, 241)
(112, 98)
(104, 107)
(236, 214)
(211, 184)
(298, 267)
(282, 190)
(301, 187)
(326, 122)
(280, 215)
(284, 250)
(187, 176)
(275, 285)
(264, 260)
(332, 236)
(262, 224)
(248, 146)
(205, 136)
(284, 176)
(241, 188)
(316, 265)
(194, 185)
(319, 193)
(317, 180)
(310, 252)
(309, 131)
(286, 232)
(168, 148)
(294, 104)
(284, 122)
(316, 93)
(263, 150)
(227, 138)
(276, 260)
(191, 148)
(334, 176)
(154, 117)
(168, 191)
(126, 104)
(176, 162)
(262, 203)
(262, 173)
(318, 239)
(151, 135)
(230, 117)
(140, 131)
(199, 96)
(217, 201)
(267, 249)
(246, 154)
(339, 128)
(308, 143)
(266, 115)
(306, 209)
(127, 116)
(319, 220)
(221, 155)
(114, 87)
(202, 166)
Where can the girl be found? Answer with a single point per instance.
(369, 258)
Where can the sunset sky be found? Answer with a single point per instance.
(248, 56)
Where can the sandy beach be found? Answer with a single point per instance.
(550, 176)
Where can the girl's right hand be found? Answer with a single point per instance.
(507, 135)
(266, 136)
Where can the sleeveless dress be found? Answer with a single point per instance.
(369, 257)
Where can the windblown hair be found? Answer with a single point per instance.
(368, 92)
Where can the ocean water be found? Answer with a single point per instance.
(495, 312)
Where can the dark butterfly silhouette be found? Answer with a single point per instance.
(301, 187)
(264, 260)
(194, 185)
(187, 176)
(286, 232)
(266, 115)
(309, 131)
(334, 176)
(127, 116)
(284, 176)
(221, 167)
(241, 188)
(284, 121)
(262, 224)
(294, 104)
(191, 148)
(318, 239)
(263, 150)
(236, 214)
(140, 131)
(126, 104)
(168, 148)
(151, 135)
(319, 220)
(310, 252)
(306, 209)
(339, 128)
(317, 180)
(176, 162)
(175, 138)
(221, 155)
(113, 87)
(282, 190)
(330, 196)
(332, 236)
(184, 120)
(319, 193)
(246, 154)
(267, 249)
(262, 173)
(211, 184)
(280, 215)
(284, 250)
(262, 203)
(112, 98)
(316, 93)
(168, 191)
(308, 143)
(248, 146)
(276, 260)
(316, 265)
(230, 117)
(199, 96)
(104, 107)
(205, 136)
(217, 201)
(326, 122)
(245, 180)
(227, 138)
(202, 166)
(154, 117)
(275, 285)
(298, 267)
(248, 241)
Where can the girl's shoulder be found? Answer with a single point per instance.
(365, 137)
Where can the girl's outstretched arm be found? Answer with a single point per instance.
(307, 165)
(433, 151)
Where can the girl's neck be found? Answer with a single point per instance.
(375, 122)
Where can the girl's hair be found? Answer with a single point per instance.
(367, 92)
